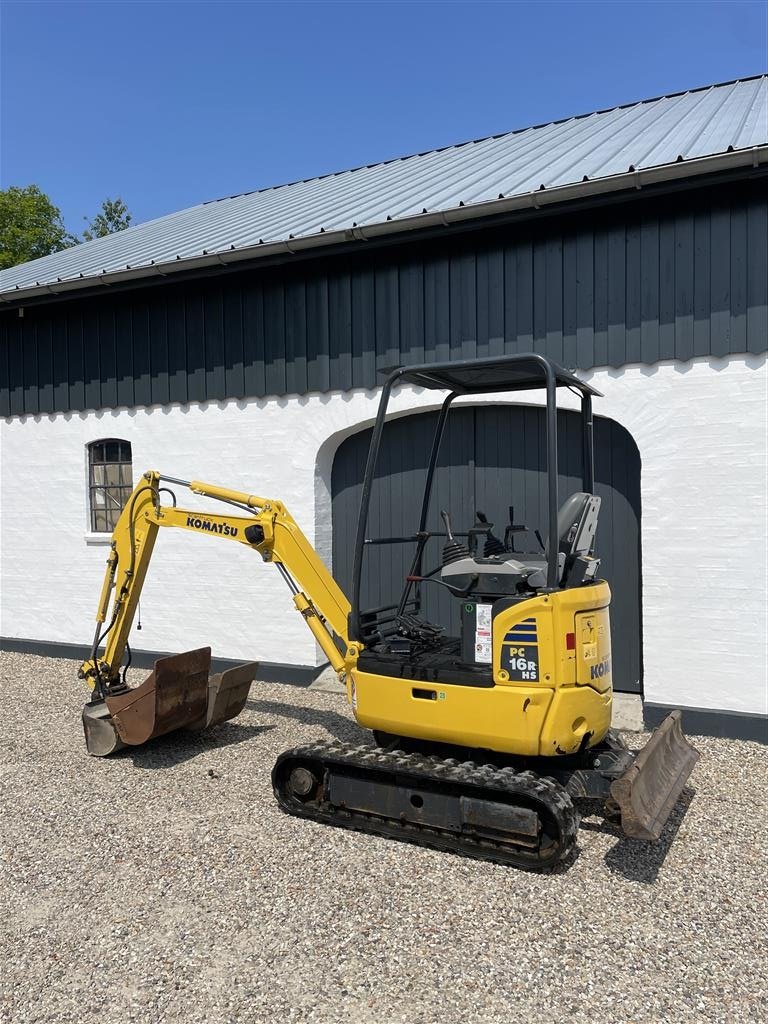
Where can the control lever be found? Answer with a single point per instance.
(511, 530)
(453, 549)
(493, 545)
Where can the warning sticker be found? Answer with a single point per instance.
(483, 634)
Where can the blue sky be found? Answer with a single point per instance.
(169, 104)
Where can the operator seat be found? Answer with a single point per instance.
(576, 528)
(577, 524)
(500, 575)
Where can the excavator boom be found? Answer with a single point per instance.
(180, 693)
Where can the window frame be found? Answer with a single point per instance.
(116, 493)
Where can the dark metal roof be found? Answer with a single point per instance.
(521, 372)
(700, 131)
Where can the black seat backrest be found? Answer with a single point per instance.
(576, 528)
(577, 524)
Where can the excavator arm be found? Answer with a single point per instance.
(172, 696)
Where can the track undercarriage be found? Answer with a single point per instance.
(511, 811)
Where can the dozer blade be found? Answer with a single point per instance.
(648, 791)
(174, 695)
(227, 694)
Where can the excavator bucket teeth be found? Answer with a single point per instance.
(650, 788)
(227, 694)
(174, 695)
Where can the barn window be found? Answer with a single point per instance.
(110, 481)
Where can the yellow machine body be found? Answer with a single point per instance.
(552, 691)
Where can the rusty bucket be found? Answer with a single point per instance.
(227, 694)
(649, 789)
(173, 695)
(177, 694)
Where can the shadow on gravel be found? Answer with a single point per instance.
(340, 726)
(565, 865)
(635, 859)
(178, 747)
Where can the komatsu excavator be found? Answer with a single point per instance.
(486, 742)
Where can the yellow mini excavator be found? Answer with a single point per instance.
(484, 741)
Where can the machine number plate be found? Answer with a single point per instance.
(521, 662)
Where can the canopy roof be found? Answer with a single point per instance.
(521, 372)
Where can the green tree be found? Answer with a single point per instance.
(112, 217)
(30, 226)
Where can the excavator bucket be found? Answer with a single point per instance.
(227, 694)
(177, 694)
(648, 791)
(174, 695)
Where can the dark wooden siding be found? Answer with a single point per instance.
(490, 458)
(675, 278)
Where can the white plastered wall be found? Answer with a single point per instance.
(700, 428)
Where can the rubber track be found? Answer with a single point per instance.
(431, 770)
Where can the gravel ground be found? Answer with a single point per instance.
(164, 885)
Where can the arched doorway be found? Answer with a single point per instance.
(491, 457)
